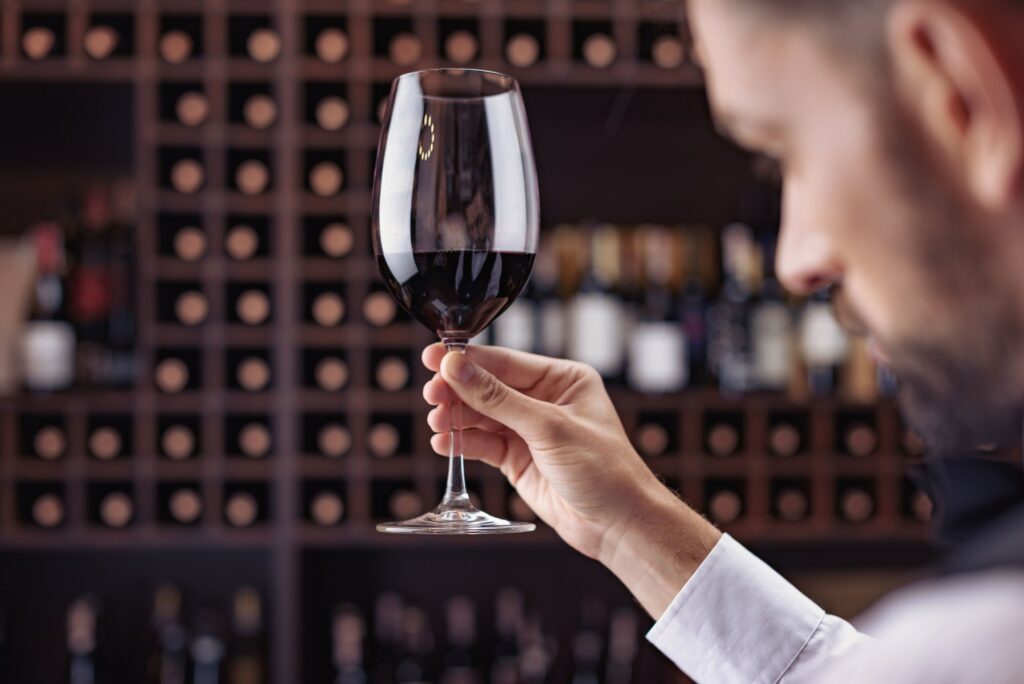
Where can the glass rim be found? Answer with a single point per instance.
(512, 83)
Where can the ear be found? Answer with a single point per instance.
(948, 74)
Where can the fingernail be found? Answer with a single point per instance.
(460, 367)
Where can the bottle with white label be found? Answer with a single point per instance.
(551, 310)
(823, 344)
(771, 330)
(657, 347)
(596, 315)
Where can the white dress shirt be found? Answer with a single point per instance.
(738, 621)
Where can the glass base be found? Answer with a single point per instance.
(467, 520)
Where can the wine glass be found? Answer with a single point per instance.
(455, 224)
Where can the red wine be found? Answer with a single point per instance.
(455, 293)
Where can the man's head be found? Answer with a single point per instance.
(899, 125)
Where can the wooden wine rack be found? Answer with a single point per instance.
(287, 266)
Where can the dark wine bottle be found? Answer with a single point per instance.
(460, 658)
(348, 631)
(597, 324)
(82, 640)
(245, 663)
(169, 662)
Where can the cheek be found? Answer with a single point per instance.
(842, 198)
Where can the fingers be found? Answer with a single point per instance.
(508, 454)
(514, 368)
(435, 391)
(490, 397)
(439, 420)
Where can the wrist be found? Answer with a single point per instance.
(657, 547)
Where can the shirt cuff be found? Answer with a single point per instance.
(735, 620)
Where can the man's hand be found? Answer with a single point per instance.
(552, 430)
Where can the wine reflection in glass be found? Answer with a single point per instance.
(455, 228)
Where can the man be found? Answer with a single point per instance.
(899, 127)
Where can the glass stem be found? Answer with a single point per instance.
(455, 494)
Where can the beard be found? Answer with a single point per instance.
(959, 382)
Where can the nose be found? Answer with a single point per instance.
(806, 260)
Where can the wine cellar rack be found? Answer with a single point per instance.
(190, 437)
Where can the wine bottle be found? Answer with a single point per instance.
(190, 244)
(326, 179)
(859, 381)
(116, 510)
(254, 440)
(383, 440)
(241, 509)
(348, 631)
(784, 440)
(331, 374)
(668, 52)
(245, 662)
(192, 108)
(725, 506)
(599, 50)
(191, 307)
(596, 317)
(187, 176)
(460, 664)
(588, 643)
(694, 301)
(263, 45)
(404, 504)
(856, 503)
(332, 113)
(48, 340)
(334, 440)
(82, 640)
(50, 443)
(405, 49)
(259, 111)
(417, 646)
(336, 239)
(252, 177)
(550, 309)
(860, 440)
(48, 510)
(461, 47)
(326, 509)
(38, 42)
(791, 504)
(392, 374)
(172, 375)
(508, 620)
(729, 339)
(207, 651)
(771, 328)
(331, 45)
(100, 41)
(522, 50)
(823, 344)
(722, 438)
(622, 646)
(253, 374)
(169, 662)
(178, 442)
(379, 309)
(253, 307)
(105, 443)
(652, 439)
(242, 242)
(328, 309)
(658, 360)
(185, 506)
(176, 46)
(387, 635)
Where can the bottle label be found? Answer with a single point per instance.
(516, 328)
(552, 328)
(773, 346)
(658, 358)
(597, 332)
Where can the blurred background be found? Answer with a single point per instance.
(207, 399)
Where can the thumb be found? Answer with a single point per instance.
(488, 395)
